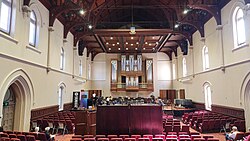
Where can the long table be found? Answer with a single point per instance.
(129, 119)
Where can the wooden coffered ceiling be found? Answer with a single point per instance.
(161, 25)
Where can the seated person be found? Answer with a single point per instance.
(232, 134)
(36, 130)
(47, 134)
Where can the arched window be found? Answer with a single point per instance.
(80, 68)
(33, 29)
(6, 16)
(208, 97)
(184, 65)
(205, 58)
(60, 97)
(239, 27)
(174, 72)
(62, 59)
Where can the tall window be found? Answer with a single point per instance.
(208, 98)
(62, 59)
(239, 27)
(33, 29)
(5, 18)
(205, 58)
(80, 68)
(60, 99)
(174, 74)
(184, 65)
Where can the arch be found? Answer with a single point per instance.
(245, 98)
(207, 91)
(61, 86)
(21, 82)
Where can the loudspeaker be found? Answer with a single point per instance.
(81, 46)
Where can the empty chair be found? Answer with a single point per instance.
(103, 139)
(176, 128)
(61, 126)
(148, 136)
(4, 139)
(88, 136)
(160, 136)
(100, 136)
(124, 136)
(76, 139)
(207, 136)
(185, 128)
(172, 133)
(4, 135)
(157, 139)
(239, 136)
(89, 139)
(18, 132)
(171, 136)
(33, 134)
(195, 136)
(194, 133)
(77, 136)
(168, 128)
(111, 136)
(12, 135)
(183, 133)
(143, 139)
(129, 139)
(69, 126)
(14, 139)
(184, 136)
(247, 133)
(136, 137)
(185, 139)
(171, 139)
(41, 137)
(198, 139)
(30, 138)
(116, 139)
(21, 137)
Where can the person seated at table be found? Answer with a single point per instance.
(232, 134)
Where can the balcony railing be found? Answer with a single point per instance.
(125, 87)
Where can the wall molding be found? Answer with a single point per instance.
(67, 106)
(199, 105)
(41, 112)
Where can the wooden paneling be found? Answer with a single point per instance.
(97, 92)
(40, 112)
(85, 122)
(199, 105)
(129, 119)
(182, 93)
(67, 106)
(230, 111)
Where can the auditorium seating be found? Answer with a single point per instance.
(24, 136)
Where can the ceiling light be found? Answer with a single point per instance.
(119, 48)
(146, 43)
(117, 43)
(153, 48)
(132, 30)
(111, 38)
(132, 44)
(149, 44)
(136, 48)
(126, 43)
(137, 43)
(157, 43)
(132, 38)
(109, 48)
(153, 37)
(113, 44)
(185, 11)
(176, 25)
(107, 43)
(144, 48)
(82, 12)
(90, 26)
(126, 48)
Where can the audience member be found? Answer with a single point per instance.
(232, 134)
(36, 130)
(49, 137)
(1, 129)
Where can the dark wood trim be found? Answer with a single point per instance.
(41, 112)
(230, 111)
(67, 106)
(199, 105)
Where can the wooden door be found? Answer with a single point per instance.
(182, 93)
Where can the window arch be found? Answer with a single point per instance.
(62, 59)
(6, 15)
(205, 58)
(239, 27)
(208, 95)
(174, 72)
(33, 29)
(184, 65)
(80, 68)
(61, 92)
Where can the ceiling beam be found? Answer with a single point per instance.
(100, 43)
(162, 42)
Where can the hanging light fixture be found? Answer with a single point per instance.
(132, 28)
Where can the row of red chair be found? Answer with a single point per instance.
(176, 128)
(24, 136)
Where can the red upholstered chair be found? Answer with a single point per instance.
(204, 126)
(247, 133)
(41, 137)
(100, 136)
(88, 136)
(124, 136)
(183, 133)
(76, 139)
(18, 132)
(195, 136)
(30, 138)
(12, 135)
(157, 139)
(160, 136)
(89, 139)
(213, 139)
(171, 139)
(4, 139)
(239, 136)
(129, 139)
(172, 133)
(194, 133)
(102, 139)
(136, 137)
(116, 139)
(14, 139)
(77, 136)
(217, 126)
(4, 135)
(111, 136)
(184, 136)
(185, 139)
(185, 128)
(211, 124)
(168, 128)
(171, 136)
(198, 139)
(33, 134)
(69, 126)
(9, 132)
(143, 139)
(21, 137)
(207, 136)
(148, 136)
(176, 128)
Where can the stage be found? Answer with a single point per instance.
(176, 111)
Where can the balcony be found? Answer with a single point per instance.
(140, 87)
